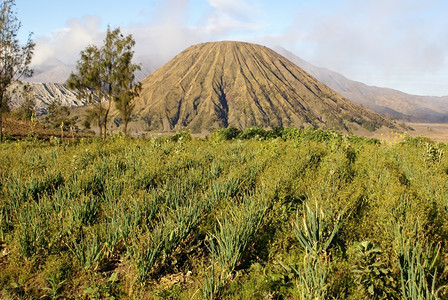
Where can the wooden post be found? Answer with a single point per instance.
(62, 130)
(71, 130)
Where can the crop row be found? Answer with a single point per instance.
(288, 216)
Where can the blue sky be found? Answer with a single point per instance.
(401, 44)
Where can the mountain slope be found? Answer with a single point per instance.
(52, 70)
(237, 84)
(392, 103)
(43, 95)
(47, 84)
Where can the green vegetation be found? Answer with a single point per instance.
(14, 58)
(106, 73)
(255, 214)
(58, 116)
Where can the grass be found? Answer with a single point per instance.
(279, 214)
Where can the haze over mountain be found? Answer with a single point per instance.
(55, 71)
(392, 103)
(223, 84)
(51, 70)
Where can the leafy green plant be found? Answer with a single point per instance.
(145, 250)
(315, 235)
(182, 135)
(370, 273)
(85, 210)
(55, 287)
(314, 231)
(415, 261)
(255, 133)
(213, 283)
(235, 230)
(31, 232)
(433, 153)
(108, 290)
(156, 211)
(312, 281)
(87, 248)
(225, 134)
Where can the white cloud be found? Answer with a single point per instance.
(65, 44)
(165, 34)
(376, 41)
(232, 15)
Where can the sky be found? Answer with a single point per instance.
(400, 44)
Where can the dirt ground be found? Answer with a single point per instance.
(17, 129)
(435, 131)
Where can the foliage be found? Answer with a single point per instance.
(416, 262)
(314, 233)
(95, 114)
(256, 133)
(225, 134)
(312, 282)
(124, 102)
(105, 74)
(370, 273)
(26, 110)
(58, 116)
(14, 59)
(299, 214)
(181, 135)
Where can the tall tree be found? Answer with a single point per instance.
(14, 58)
(105, 73)
(125, 102)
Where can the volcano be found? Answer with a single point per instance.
(236, 84)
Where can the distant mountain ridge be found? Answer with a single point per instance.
(51, 70)
(236, 84)
(392, 103)
(55, 71)
(44, 94)
(47, 84)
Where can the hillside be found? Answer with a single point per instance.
(44, 94)
(235, 84)
(51, 70)
(390, 102)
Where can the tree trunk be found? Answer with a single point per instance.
(1, 116)
(125, 127)
(1, 126)
(100, 126)
(106, 115)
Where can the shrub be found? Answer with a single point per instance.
(225, 134)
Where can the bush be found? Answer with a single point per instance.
(255, 133)
(181, 135)
(225, 134)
